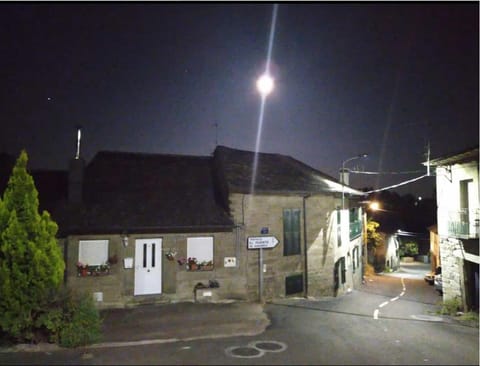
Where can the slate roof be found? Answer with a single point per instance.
(464, 156)
(134, 192)
(276, 173)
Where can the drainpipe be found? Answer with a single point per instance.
(305, 244)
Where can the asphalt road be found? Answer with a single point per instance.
(405, 330)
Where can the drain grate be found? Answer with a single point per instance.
(269, 346)
(244, 352)
(255, 349)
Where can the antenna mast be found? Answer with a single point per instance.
(79, 136)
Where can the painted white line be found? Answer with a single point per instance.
(394, 299)
(383, 304)
(375, 314)
(402, 293)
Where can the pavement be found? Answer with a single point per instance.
(165, 323)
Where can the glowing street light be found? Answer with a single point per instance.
(374, 206)
(265, 84)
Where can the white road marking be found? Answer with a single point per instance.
(376, 312)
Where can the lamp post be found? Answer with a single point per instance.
(343, 174)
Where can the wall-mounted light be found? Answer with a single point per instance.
(125, 240)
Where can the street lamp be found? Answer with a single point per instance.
(343, 174)
(265, 84)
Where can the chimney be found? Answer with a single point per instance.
(344, 176)
(75, 174)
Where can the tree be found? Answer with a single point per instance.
(31, 263)
(373, 237)
(408, 249)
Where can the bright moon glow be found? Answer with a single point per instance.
(265, 84)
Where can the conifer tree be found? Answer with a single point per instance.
(31, 263)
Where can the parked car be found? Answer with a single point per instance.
(437, 281)
(430, 276)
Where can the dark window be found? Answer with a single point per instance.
(293, 284)
(291, 231)
(355, 258)
(153, 255)
(144, 255)
(339, 227)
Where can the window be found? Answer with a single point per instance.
(339, 227)
(200, 251)
(293, 284)
(291, 231)
(356, 262)
(342, 270)
(93, 252)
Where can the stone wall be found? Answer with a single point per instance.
(452, 268)
(252, 213)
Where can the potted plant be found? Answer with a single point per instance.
(82, 269)
(192, 263)
(102, 269)
(170, 255)
(206, 266)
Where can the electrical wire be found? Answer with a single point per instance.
(399, 184)
(407, 172)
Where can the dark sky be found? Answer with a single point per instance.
(381, 78)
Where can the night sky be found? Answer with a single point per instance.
(377, 78)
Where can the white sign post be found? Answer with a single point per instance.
(261, 242)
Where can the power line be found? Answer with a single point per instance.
(399, 184)
(406, 172)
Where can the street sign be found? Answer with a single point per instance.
(262, 242)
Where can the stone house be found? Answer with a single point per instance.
(458, 225)
(134, 220)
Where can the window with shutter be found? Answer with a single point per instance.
(291, 231)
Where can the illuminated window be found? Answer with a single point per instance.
(200, 253)
(93, 252)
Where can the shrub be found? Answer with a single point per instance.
(451, 306)
(82, 323)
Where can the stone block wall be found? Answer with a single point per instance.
(452, 268)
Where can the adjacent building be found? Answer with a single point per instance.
(458, 225)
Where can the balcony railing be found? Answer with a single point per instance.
(464, 223)
(355, 229)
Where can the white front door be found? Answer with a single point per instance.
(148, 266)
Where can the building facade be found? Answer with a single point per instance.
(143, 228)
(458, 225)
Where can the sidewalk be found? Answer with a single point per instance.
(181, 321)
(164, 323)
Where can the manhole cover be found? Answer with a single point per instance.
(270, 346)
(244, 352)
(428, 318)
